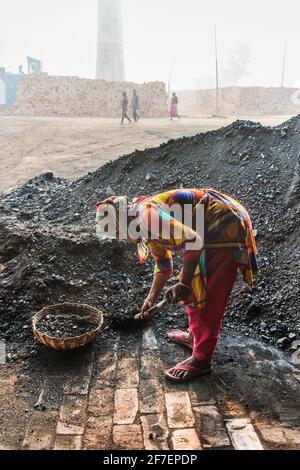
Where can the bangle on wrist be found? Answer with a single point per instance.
(187, 287)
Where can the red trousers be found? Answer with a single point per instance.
(205, 324)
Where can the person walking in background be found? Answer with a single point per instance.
(135, 105)
(174, 107)
(124, 105)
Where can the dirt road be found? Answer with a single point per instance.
(71, 147)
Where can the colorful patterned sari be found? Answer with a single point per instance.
(226, 225)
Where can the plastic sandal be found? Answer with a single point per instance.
(192, 372)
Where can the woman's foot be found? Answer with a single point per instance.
(188, 369)
(181, 337)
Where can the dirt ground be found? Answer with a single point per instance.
(71, 147)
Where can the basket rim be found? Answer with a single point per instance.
(35, 321)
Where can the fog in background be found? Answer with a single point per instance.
(251, 37)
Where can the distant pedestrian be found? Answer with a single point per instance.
(124, 106)
(174, 107)
(135, 105)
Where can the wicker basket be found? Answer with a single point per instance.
(64, 344)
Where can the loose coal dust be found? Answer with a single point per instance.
(66, 326)
(49, 252)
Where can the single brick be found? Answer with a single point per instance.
(106, 369)
(127, 373)
(151, 396)
(151, 366)
(155, 432)
(179, 410)
(201, 392)
(79, 383)
(73, 410)
(243, 435)
(101, 401)
(98, 434)
(128, 437)
(185, 439)
(126, 406)
(210, 427)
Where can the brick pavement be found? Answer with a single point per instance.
(121, 401)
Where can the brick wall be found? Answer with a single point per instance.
(239, 101)
(72, 96)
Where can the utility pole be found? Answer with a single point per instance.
(217, 72)
(284, 64)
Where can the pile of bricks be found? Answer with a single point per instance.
(45, 95)
(241, 101)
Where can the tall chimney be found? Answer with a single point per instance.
(110, 56)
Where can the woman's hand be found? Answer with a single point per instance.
(147, 305)
(158, 284)
(177, 293)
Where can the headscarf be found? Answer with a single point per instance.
(116, 212)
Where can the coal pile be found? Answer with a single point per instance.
(49, 252)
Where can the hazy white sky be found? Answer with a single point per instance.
(63, 34)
